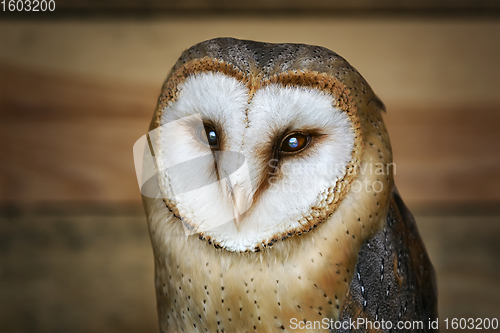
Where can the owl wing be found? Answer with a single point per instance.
(394, 278)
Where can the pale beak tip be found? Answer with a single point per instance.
(237, 220)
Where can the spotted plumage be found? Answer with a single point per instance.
(287, 209)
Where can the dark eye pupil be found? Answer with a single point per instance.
(207, 135)
(212, 138)
(295, 143)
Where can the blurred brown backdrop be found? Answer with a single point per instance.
(78, 86)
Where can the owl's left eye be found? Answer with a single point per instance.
(294, 143)
(207, 135)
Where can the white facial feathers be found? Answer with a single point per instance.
(269, 200)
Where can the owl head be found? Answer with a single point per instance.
(254, 143)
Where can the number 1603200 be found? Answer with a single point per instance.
(471, 323)
(28, 5)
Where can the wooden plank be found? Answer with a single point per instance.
(117, 8)
(75, 95)
(90, 272)
(409, 62)
(465, 251)
(68, 138)
(446, 154)
(87, 269)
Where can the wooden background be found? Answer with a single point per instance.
(76, 92)
(75, 95)
(114, 8)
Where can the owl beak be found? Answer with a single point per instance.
(237, 218)
(230, 165)
(239, 202)
(239, 205)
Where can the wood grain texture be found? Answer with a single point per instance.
(79, 268)
(116, 8)
(76, 270)
(68, 138)
(75, 95)
(446, 154)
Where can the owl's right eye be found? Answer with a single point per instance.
(207, 135)
(295, 143)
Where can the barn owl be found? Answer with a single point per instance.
(267, 181)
